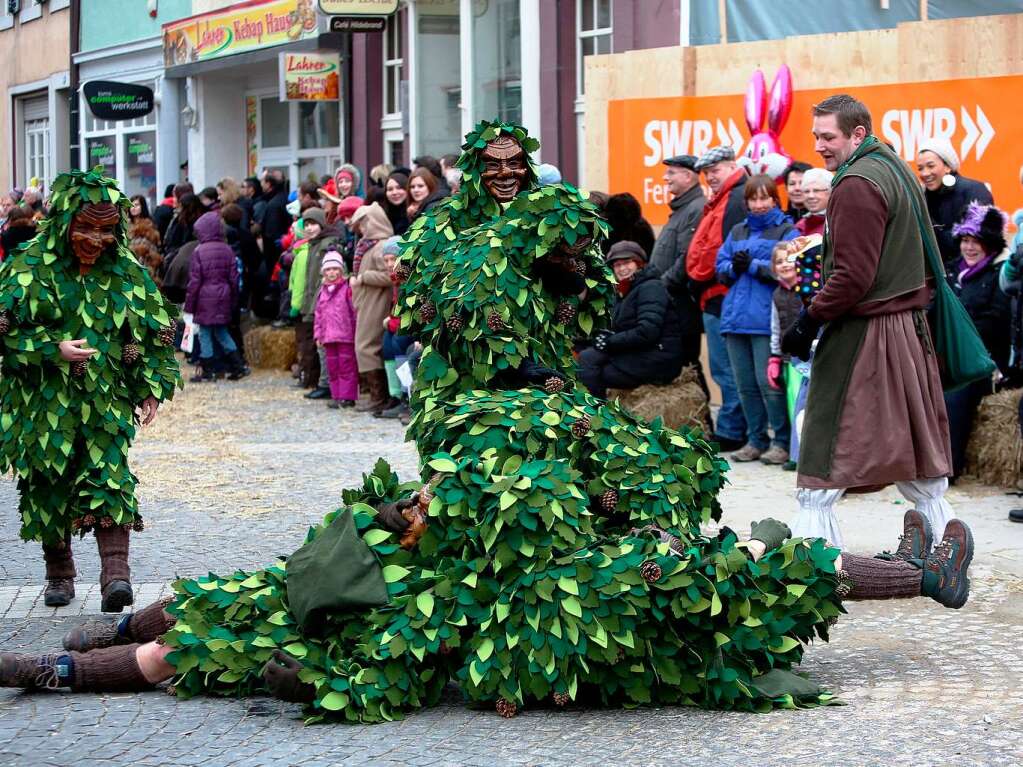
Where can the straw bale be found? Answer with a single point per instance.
(271, 348)
(683, 402)
(994, 454)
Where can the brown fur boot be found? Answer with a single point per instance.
(60, 574)
(115, 575)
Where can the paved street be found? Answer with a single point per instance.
(232, 474)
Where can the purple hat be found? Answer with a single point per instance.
(986, 223)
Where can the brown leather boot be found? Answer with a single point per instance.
(60, 574)
(377, 382)
(110, 669)
(114, 574)
(364, 396)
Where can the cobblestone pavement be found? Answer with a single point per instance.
(231, 476)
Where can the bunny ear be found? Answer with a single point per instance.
(781, 100)
(756, 102)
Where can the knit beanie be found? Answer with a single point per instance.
(315, 214)
(944, 149)
(348, 206)
(391, 245)
(332, 259)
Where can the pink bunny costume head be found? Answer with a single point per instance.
(764, 153)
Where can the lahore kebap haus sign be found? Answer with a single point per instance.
(310, 77)
(238, 29)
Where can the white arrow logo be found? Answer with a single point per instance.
(981, 137)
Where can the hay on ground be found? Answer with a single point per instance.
(683, 402)
(994, 454)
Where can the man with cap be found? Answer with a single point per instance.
(725, 209)
(947, 193)
(644, 344)
(687, 201)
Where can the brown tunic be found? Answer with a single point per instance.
(890, 424)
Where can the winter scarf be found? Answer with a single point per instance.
(703, 249)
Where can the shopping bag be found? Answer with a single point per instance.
(188, 336)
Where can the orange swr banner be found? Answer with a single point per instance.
(979, 116)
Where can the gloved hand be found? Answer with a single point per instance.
(537, 375)
(390, 516)
(600, 340)
(775, 372)
(741, 261)
(280, 674)
(770, 532)
(558, 278)
(798, 341)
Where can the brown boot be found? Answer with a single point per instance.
(364, 396)
(377, 382)
(60, 574)
(145, 625)
(114, 575)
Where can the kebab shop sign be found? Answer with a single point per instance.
(310, 77)
(976, 115)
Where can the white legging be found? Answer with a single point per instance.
(817, 518)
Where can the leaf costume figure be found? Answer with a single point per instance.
(552, 551)
(66, 422)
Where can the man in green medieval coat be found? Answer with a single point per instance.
(875, 413)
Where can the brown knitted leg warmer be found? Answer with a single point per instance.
(870, 578)
(108, 669)
(151, 622)
(60, 562)
(112, 543)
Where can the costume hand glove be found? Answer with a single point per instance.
(558, 277)
(390, 517)
(798, 341)
(741, 261)
(770, 532)
(537, 375)
(280, 674)
(600, 341)
(775, 373)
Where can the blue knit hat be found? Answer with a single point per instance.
(391, 245)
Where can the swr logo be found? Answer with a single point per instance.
(905, 129)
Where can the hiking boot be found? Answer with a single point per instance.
(916, 539)
(726, 444)
(746, 454)
(203, 374)
(944, 576)
(775, 456)
(59, 592)
(30, 672)
(394, 411)
(93, 634)
(237, 367)
(116, 596)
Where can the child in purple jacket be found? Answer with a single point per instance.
(334, 330)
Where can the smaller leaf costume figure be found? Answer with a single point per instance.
(67, 425)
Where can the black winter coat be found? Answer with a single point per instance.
(990, 309)
(274, 224)
(646, 340)
(947, 206)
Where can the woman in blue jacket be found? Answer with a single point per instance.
(744, 264)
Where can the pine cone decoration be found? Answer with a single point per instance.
(561, 699)
(565, 313)
(166, 336)
(76, 524)
(495, 323)
(403, 272)
(138, 525)
(455, 324)
(651, 572)
(88, 521)
(553, 385)
(609, 500)
(427, 312)
(579, 267)
(5, 323)
(79, 368)
(130, 353)
(506, 708)
(581, 427)
(106, 522)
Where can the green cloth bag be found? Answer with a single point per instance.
(778, 682)
(336, 572)
(962, 356)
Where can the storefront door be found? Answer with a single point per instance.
(301, 138)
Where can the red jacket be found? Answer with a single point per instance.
(709, 235)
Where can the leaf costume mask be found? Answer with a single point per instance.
(66, 429)
(539, 575)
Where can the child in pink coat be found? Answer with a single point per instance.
(334, 330)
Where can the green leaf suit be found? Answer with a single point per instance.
(539, 576)
(66, 436)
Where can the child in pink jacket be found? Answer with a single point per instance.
(334, 330)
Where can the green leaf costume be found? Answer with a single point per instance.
(66, 436)
(539, 574)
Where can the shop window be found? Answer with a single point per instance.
(140, 164)
(393, 62)
(497, 62)
(438, 73)
(396, 153)
(274, 114)
(37, 149)
(593, 18)
(319, 124)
